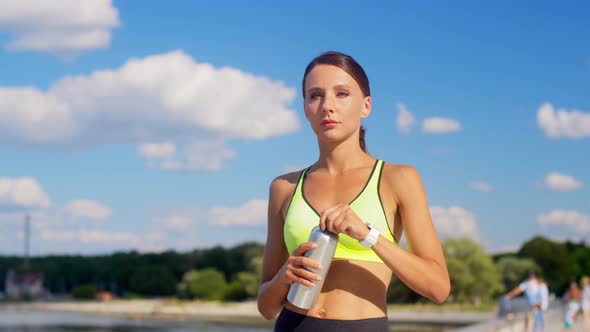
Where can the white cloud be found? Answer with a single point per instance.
(89, 236)
(176, 222)
(29, 116)
(405, 120)
(156, 236)
(11, 217)
(254, 212)
(561, 182)
(438, 125)
(157, 150)
(64, 27)
(176, 227)
(571, 220)
(53, 232)
(454, 221)
(482, 186)
(38, 218)
(155, 242)
(199, 155)
(159, 98)
(87, 209)
(90, 241)
(22, 192)
(561, 123)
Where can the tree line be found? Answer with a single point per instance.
(220, 273)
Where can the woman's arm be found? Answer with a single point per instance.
(424, 269)
(279, 270)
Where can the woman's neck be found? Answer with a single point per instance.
(339, 158)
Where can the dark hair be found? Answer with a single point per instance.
(349, 65)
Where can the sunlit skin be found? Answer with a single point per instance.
(334, 105)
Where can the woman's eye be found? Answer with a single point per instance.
(314, 95)
(342, 94)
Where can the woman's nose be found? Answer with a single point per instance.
(328, 105)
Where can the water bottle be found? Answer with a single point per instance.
(300, 295)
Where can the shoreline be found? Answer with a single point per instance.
(233, 313)
(245, 313)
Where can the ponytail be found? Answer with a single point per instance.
(362, 139)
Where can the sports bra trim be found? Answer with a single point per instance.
(300, 184)
(304, 173)
(381, 203)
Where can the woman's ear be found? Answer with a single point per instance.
(366, 107)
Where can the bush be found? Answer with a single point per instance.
(133, 296)
(84, 292)
(235, 291)
(206, 284)
(249, 282)
(474, 276)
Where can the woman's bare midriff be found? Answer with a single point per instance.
(352, 290)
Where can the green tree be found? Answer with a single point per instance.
(398, 292)
(256, 265)
(514, 270)
(582, 258)
(234, 291)
(206, 284)
(249, 282)
(472, 272)
(153, 281)
(557, 264)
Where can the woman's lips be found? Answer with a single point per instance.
(328, 123)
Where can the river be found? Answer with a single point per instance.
(34, 321)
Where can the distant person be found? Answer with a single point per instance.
(539, 324)
(572, 299)
(543, 293)
(530, 288)
(585, 282)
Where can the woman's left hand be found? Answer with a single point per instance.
(342, 219)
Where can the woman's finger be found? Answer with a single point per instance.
(338, 221)
(324, 215)
(304, 247)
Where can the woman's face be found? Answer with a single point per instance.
(334, 103)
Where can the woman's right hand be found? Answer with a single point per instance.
(296, 269)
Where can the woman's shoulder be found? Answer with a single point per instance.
(285, 183)
(282, 189)
(400, 173)
(402, 180)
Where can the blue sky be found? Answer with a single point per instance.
(149, 125)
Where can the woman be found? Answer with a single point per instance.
(344, 191)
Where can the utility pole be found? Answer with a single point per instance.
(27, 238)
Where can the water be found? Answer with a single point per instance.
(28, 321)
(31, 321)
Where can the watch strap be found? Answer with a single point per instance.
(371, 238)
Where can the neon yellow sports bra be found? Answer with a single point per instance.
(301, 218)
